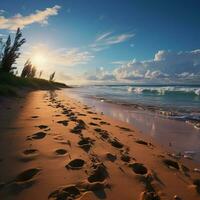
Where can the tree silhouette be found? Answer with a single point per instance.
(33, 72)
(26, 72)
(51, 77)
(11, 52)
(1, 47)
(40, 74)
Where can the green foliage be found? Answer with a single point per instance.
(51, 77)
(29, 71)
(11, 84)
(40, 74)
(33, 72)
(11, 52)
(7, 90)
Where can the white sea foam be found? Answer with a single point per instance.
(165, 90)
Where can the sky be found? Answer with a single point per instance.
(108, 41)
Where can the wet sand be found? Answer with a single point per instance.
(54, 147)
(174, 135)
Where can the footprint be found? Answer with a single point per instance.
(171, 164)
(75, 164)
(96, 187)
(111, 157)
(125, 157)
(81, 114)
(104, 123)
(93, 124)
(28, 155)
(103, 133)
(85, 143)
(142, 142)
(96, 118)
(138, 168)
(60, 151)
(124, 128)
(196, 182)
(72, 117)
(42, 126)
(64, 122)
(116, 143)
(30, 151)
(99, 173)
(34, 117)
(37, 136)
(90, 112)
(149, 196)
(69, 192)
(78, 128)
(27, 175)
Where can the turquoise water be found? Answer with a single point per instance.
(181, 99)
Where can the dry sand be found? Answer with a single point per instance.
(53, 147)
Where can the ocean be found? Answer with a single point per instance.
(179, 100)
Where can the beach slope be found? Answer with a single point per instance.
(54, 147)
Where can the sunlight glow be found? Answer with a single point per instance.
(39, 60)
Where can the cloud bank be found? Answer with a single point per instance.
(165, 67)
(40, 16)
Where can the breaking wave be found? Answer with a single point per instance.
(165, 90)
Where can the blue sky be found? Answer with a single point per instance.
(109, 41)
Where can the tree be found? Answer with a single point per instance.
(51, 77)
(11, 52)
(27, 69)
(40, 74)
(33, 72)
(1, 47)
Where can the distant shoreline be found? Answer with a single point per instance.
(11, 85)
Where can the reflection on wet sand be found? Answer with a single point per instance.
(173, 134)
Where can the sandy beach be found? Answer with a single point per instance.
(54, 147)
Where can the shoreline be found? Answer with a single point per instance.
(189, 113)
(168, 113)
(50, 131)
(176, 135)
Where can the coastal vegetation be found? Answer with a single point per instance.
(10, 82)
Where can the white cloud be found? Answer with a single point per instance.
(104, 35)
(101, 75)
(2, 11)
(167, 66)
(107, 39)
(119, 38)
(71, 57)
(40, 16)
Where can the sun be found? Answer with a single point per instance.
(39, 60)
